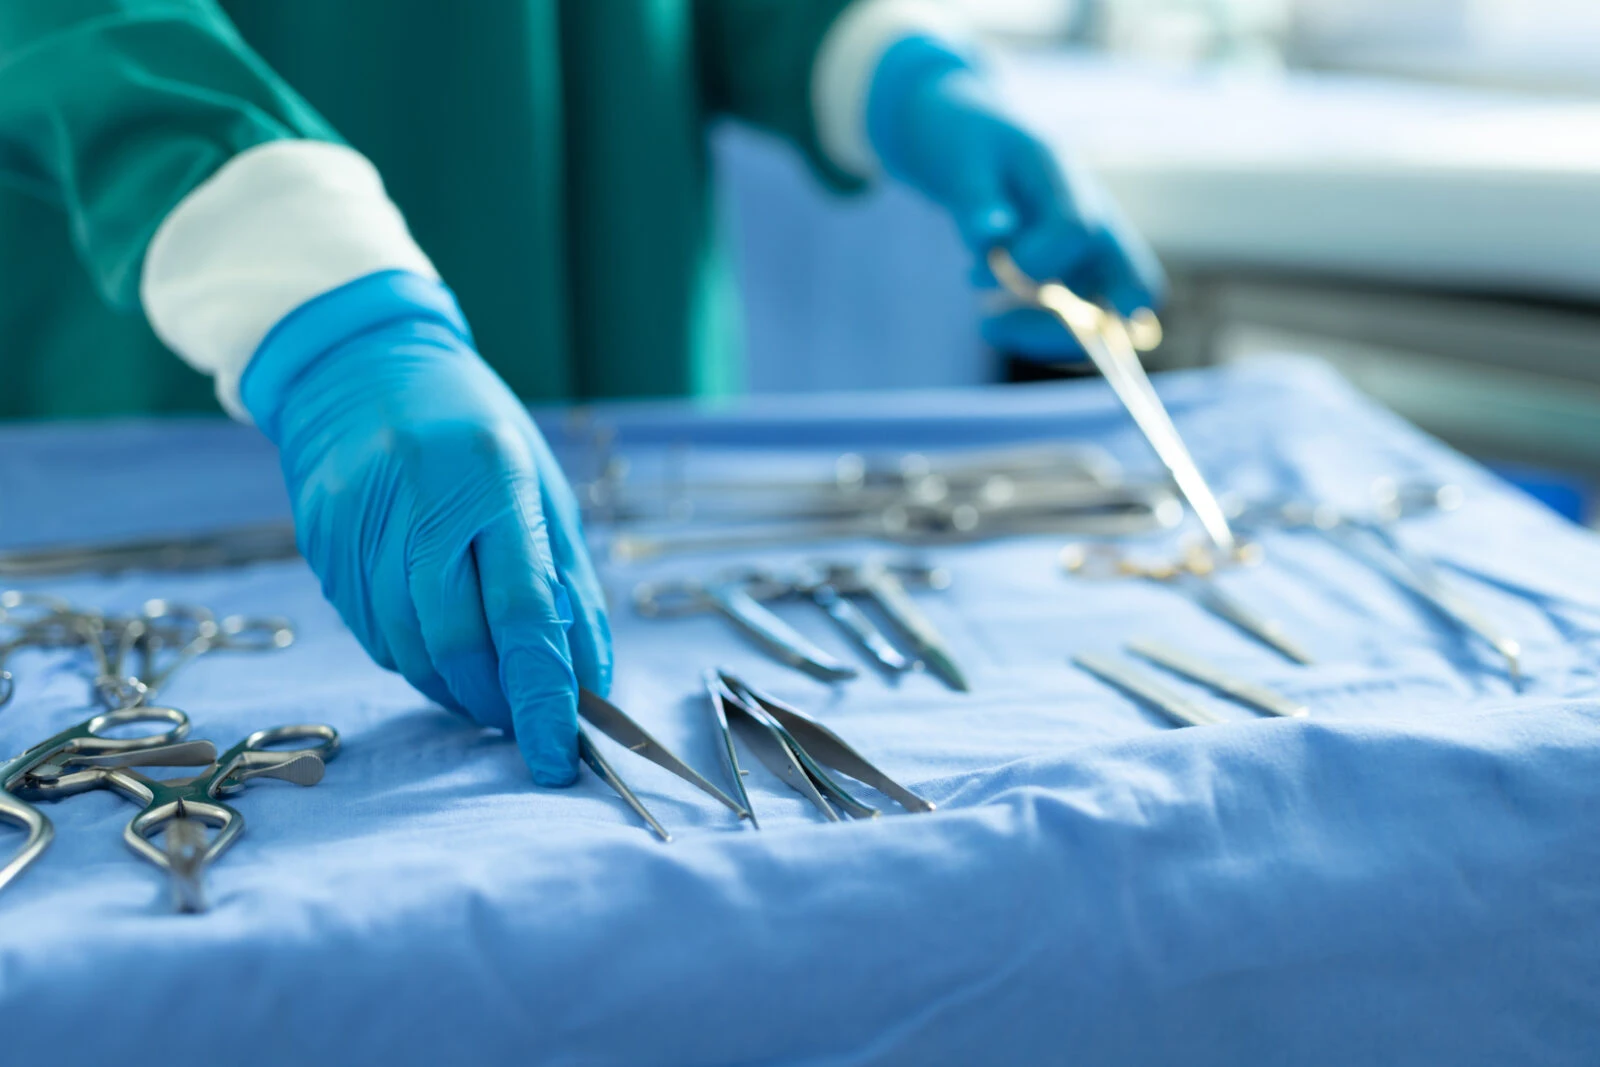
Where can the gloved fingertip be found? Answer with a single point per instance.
(555, 776)
(547, 737)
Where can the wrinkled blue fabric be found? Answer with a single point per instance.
(1410, 876)
(429, 505)
(934, 125)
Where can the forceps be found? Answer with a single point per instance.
(1105, 336)
(164, 802)
(1195, 575)
(730, 596)
(87, 745)
(1128, 678)
(1376, 543)
(798, 749)
(621, 728)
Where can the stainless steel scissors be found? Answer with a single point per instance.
(1108, 339)
(164, 801)
(86, 745)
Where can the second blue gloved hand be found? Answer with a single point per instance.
(432, 510)
(931, 122)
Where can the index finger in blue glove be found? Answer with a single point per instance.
(528, 612)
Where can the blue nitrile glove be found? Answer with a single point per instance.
(932, 123)
(432, 510)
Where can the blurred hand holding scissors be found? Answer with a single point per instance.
(1109, 340)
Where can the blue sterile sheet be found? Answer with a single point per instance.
(1411, 875)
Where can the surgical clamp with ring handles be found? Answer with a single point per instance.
(41, 621)
(86, 745)
(196, 799)
(1109, 340)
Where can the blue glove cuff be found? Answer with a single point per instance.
(325, 323)
(906, 68)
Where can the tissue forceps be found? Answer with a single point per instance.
(799, 750)
(86, 744)
(827, 747)
(1105, 336)
(731, 598)
(1147, 689)
(621, 728)
(1198, 670)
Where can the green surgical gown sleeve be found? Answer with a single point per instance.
(116, 109)
(755, 64)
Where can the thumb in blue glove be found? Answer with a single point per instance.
(433, 512)
(931, 122)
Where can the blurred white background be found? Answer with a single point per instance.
(1548, 45)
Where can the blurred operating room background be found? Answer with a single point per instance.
(1409, 189)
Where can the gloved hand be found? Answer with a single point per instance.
(432, 510)
(932, 124)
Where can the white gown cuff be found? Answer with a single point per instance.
(841, 77)
(277, 225)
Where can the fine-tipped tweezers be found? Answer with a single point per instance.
(798, 749)
(620, 727)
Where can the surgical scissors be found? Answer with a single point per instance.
(164, 801)
(1107, 338)
(86, 744)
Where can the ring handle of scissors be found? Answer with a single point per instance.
(669, 599)
(252, 758)
(1143, 327)
(243, 633)
(327, 736)
(38, 828)
(89, 736)
(143, 826)
(15, 608)
(178, 624)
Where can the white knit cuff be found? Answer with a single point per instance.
(841, 77)
(277, 225)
